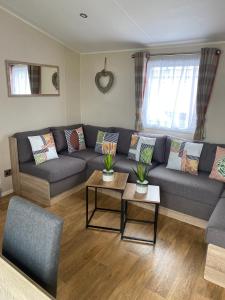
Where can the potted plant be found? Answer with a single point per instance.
(108, 173)
(142, 175)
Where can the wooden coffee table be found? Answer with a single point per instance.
(95, 181)
(151, 197)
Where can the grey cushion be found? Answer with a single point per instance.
(160, 146)
(199, 188)
(90, 134)
(67, 183)
(126, 165)
(186, 205)
(24, 148)
(32, 241)
(55, 169)
(59, 136)
(86, 154)
(215, 231)
(124, 140)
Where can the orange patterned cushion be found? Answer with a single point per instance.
(218, 169)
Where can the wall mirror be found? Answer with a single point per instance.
(28, 79)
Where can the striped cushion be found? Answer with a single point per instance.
(75, 139)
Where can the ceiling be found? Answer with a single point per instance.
(123, 24)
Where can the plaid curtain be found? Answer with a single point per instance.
(35, 79)
(207, 73)
(140, 60)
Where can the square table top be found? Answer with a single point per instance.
(152, 196)
(119, 182)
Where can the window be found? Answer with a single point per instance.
(170, 94)
(20, 80)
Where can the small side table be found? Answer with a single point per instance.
(95, 181)
(151, 197)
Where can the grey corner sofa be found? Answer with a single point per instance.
(193, 195)
(197, 196)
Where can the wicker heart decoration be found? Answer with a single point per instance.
(103, 74)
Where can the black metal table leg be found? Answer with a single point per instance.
(86, 206)
(96, 208)
(96, 198)
(122, 217)
(126, 219)
(156, 221)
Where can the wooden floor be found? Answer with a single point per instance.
(98, 265)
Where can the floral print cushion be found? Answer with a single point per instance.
(141, 149)
(218, 169)
(184, 156)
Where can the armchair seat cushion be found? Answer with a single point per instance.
(199, 188)
(215, 231)
(56, 169)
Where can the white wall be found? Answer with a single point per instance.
(23, 43)
(115, 107)
(118, 106)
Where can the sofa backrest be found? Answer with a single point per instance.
(124, 140)
(160, 146)
(59, 136)
(207, 156)
(24, 148)
(90, 134)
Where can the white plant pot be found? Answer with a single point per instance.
(107, 175)
(142, 187)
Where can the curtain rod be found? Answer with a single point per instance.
(172, 54)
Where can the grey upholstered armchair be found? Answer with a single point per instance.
(32, 242)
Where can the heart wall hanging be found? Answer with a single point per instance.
(104, 79)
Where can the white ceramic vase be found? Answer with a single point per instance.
(142, 187)
(107, 175)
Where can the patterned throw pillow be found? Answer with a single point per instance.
(106, 142)
(43, 147)
(184, 156)
(75, 139)
(141, 148)
(218, 169)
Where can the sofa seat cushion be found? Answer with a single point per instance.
(56, 169)
(126, 165)
(86, 154)
(199, 188)
(97, 163)
(215, 231)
